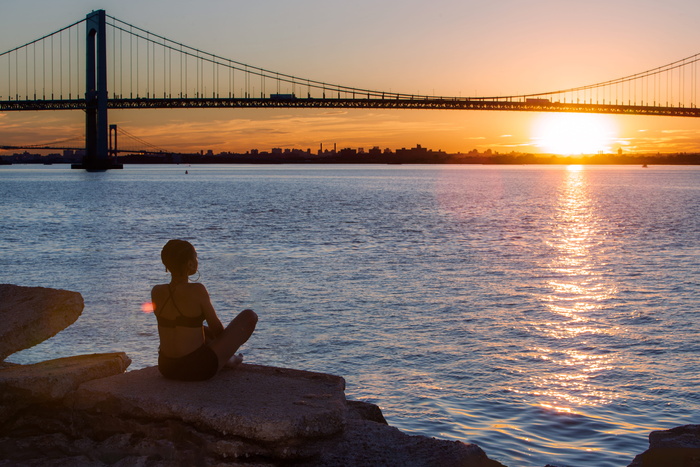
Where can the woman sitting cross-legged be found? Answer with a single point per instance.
(190, 351)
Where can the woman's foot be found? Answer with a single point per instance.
(234, 361)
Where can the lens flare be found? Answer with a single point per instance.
(147, 307)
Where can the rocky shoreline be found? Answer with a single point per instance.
(89, 411)
(253, 415)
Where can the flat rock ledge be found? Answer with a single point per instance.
(251, 416)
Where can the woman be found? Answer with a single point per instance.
(190, 351)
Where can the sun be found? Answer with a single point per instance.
(573, 134)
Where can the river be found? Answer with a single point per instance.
(546, 313)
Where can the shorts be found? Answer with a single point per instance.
(200, 365)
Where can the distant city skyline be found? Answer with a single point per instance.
(375, 155)
(465, 49)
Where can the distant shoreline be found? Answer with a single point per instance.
(416, 155)
(383, 159)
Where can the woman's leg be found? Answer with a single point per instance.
(235, 335)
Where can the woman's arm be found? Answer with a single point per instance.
(156, 296)
(215, 326)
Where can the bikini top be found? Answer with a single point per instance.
(180, 320)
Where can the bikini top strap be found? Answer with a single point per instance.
(182, 319)
(166, 300)
(170, 295)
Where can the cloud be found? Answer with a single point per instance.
(298, 129)
(664, 141)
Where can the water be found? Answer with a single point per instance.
(546, 313)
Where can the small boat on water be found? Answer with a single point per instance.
(645, 166)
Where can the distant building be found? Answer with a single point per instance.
(347, 152)
(419, 154)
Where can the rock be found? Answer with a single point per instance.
(30, 315)
(252, 402)
(53, 379)
(365, 411)
(21, 385)
(678, 446)
(253, 415)
(687, 436)
(252, 411)
(370, 443)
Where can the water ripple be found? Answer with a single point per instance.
(547, 314)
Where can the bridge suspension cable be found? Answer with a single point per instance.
(134, 144)
(194, 78)
(142, 146)
(661, 80)
(33, 74)
(66, 143)
(150, 70)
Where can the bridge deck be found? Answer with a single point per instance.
(356, 103)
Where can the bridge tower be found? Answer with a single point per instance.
(97, 156)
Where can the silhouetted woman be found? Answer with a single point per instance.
(190, 351)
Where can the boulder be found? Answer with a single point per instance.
(677, 446)
(52, 380)
(30, 315)
(365, 442)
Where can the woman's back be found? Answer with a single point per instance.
(180, 316)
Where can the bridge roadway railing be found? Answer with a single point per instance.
(355, 103)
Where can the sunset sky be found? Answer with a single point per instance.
(450, 48)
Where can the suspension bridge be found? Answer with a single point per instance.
(69, 69)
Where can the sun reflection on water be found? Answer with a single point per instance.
(576, 290)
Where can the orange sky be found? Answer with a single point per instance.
(439, 47)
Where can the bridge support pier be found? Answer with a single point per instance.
(97, 156)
